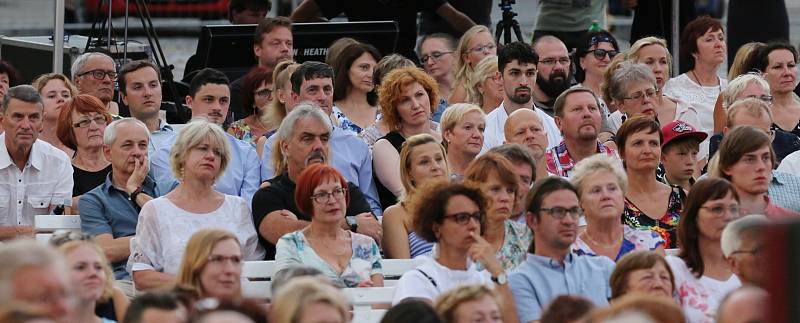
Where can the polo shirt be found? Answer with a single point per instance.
(539, 280)
(494, 135)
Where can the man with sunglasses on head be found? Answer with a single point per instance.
(551, 269)
(94, 73)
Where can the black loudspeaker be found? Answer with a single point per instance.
(783, 252)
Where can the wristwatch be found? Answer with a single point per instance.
(352, 221)
(135, 193)
(501, 279)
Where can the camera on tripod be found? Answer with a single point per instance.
(505, 5)
(508, 24)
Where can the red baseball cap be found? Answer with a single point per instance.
(679, 129)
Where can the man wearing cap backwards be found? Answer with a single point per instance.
(679, 152)
(578, 116)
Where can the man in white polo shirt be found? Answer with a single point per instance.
(35, 177)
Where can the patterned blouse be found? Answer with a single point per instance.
(515, 246)
(632, 240)
(346, 124)
(560, 163)
(666, 226)
(293, 249)
(242, 131)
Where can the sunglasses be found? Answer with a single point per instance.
(600, 53)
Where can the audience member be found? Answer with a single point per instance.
(213, 310)
(742, 244)
(94, 73)
(578, 116)
(494, 175)
(347, 259)
(280, 104)
(55, 90)
(790, 164)
(242, 12)
(590, 70)
(702, 277)
(306, 299)
(8, 77)
(303, 140)
(37, 177)
(486, 85)
(354, 95)
(524, 127)
(567, 309)
(110, 212)
(679, 153)
(140, 89)
(778, 62)
(212, 265)
(257, 95)
(640, 308)
(601, 184)
(462, 136)
(748, 304)
(91, 279)
(740, 66)
(285, 275)
(422, 159)
(553, 213)
(517, 65)
(408, 97)
(649, 204)
(524, 166)
(567, 21)
(411, 310)
(554, 67)
(156, 308)
(81, 125)
(198, 158)
(387, 64)
(469, 303)
(272, 43)
(475, 44)
(702, 46)
(437, 55)
(643, 272)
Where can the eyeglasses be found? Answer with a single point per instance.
(721, 210)
(484, 48)
(600, 53)
(101, 74)
(435, 56)
(463, 218)
(553, 61)
(559, 212)
(765, 98)
(220, 259)
(264, 93)
(640, 96)
(99, 120)
(324, 197)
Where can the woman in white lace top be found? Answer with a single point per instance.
(198, 157)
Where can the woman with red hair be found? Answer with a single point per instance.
(347, 258)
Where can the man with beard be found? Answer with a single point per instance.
(304, 139)
(578, 116)
(517, 65)
(209, 97)
(555, 74)
(94, 73)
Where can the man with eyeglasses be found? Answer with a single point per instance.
(555, 73)
(94, 73)
(517, 65)
(551, 269)
(36, 177)
(743, 248)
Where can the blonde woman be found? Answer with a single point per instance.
(466, 303)
(55, 89)
(476, 43)
(739, 67)
(422, 159)
(462, 136)
(309, 300)
(281, 102)
(92, 280)
(212, 265)
(486, 85)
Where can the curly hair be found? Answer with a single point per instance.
(393, 86)
(430, 205)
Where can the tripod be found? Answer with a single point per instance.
(505, 25)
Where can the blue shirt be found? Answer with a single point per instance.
(539, 280)
(350, 156)
(437, 115)
(105, 209)
(784, 190)
(242, 176)
(160, 138)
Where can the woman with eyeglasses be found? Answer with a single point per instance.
(650, 205)
(347, 258)
(81, 124)
(257, 90)
(436, 52)
(778, 64)
(212, 265)
(476, 43)
(702, 276)
(56, 90)
(354, 96)
(594, 55)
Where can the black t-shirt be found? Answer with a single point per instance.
(404, 12)
(280, 196)
(480, 11)
(85, 181)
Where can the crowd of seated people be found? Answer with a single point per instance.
(520, 183)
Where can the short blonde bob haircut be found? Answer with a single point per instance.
(598, 163)
(299, 293)
(447, 303)
(192, 136)
(454, 114)
(108, 284)
(405, 162)
(40, 82)
(737, 85)
(633, 52)
(195, 258)
(485, 69)
(392, 88)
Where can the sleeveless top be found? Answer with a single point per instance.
(384, 194)
(85, 181)
(666, 226)
(418, 246)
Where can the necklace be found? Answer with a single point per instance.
(602, 245)
(703, 88)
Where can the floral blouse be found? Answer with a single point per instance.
(666, 226)
(632, 240)
(346, 124)
(699, 297)
(515, 246)
(241, 131)
(293, 249)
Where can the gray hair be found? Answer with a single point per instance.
(731, 239)
(19, 254)
(110, 134)
(739, 84)
(80, 62)
(192, 135)
(628, 73)
(598, 163)
(25, 93)
(286, 130)
(283, 276)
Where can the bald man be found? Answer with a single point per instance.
(748, 304)
(524, 127)
(555, 72)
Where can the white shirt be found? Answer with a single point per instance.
(703, 98)
(494, 135)
(46, 180)
(699, 297)
(414, 284)
(791, 164)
